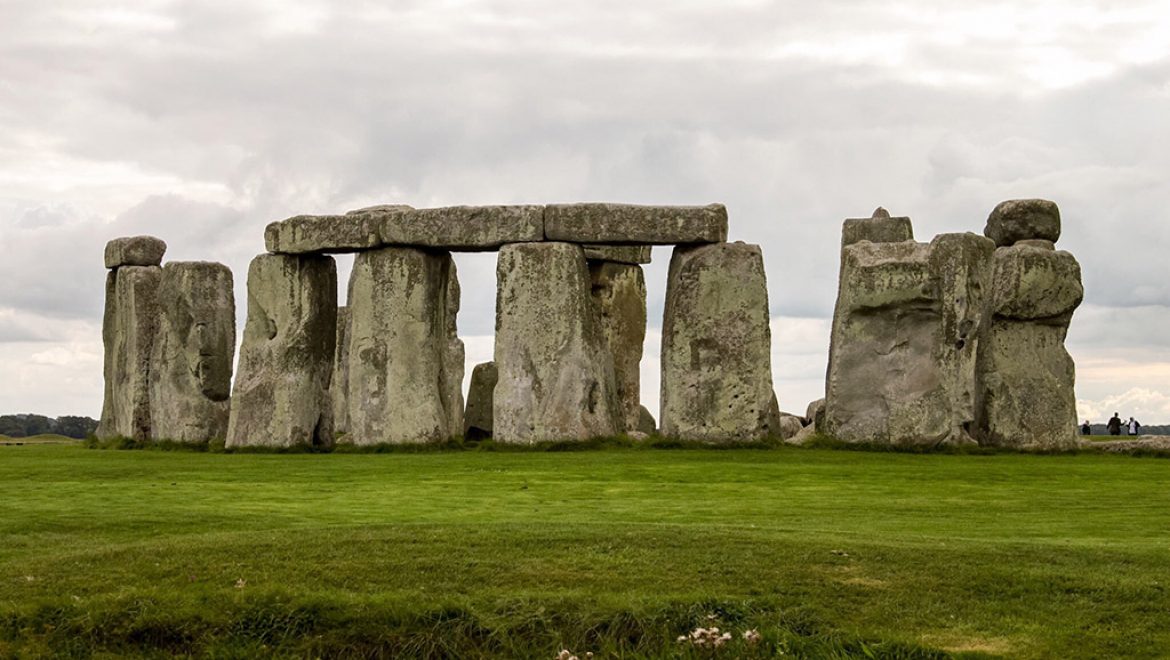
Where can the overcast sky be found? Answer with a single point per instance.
(202, 121)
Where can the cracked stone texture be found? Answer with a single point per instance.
(134, 251)
(191, 365)
(631, 223)
(556, 379)
(622, 254)
(280, 397)
(880, 228)
(1026, 377)
(405, 360)
(129, 328)
(1023, 219)
(319, 234)
(619, 290)
(904, 341)
(716, 346)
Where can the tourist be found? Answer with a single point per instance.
(1134, 426)
(1086, 429)
(1114, 425)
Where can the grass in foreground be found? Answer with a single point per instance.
(618, 552)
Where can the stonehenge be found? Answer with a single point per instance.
(280, 397)
(955, 341)
(959, 341)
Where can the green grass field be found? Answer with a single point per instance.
(618, 552)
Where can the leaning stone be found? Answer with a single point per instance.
(556, 378)
(477, 420)
(716, 346)
(619, 290)
(129, 329)
(646, 423)
(1025, 376)
(880, 228)
(815, 409)
(319, 234)
(466, 228)
(1022, 219)
(622, 254)
(339, 384)
(904, 340)
(191, 367)
(280, 397)
(135, 251)
(630, 223)
(400, 353)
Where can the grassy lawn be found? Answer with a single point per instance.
(470, 554)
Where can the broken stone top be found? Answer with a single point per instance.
(135, 251)
(879, 228)
(1023, 219)
(611, 232)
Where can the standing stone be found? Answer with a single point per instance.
(904, 341)
(129, 328)
(646, 423)
(477, 422)
(619, 291)
(339, 385)
(1025, 375)
(281, 393)
(716, 346)
(402, 348)
(191, 367)
(556, 378)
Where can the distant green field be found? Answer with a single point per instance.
(618, 552)
(46, 439)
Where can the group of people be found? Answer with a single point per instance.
(1114, 426)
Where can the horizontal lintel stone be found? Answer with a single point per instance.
(625, 224)
(317, 234)
(462, 228)
(620, 254)
(135, 251)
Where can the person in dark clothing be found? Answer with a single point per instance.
(1114, 425)
(1086, 429)
(1133, 426)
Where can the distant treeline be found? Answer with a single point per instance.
(23, 426)
(1160, 429)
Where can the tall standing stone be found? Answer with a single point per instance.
(281, 393)
(1025, 375)
(556, 378)
(904, 341)
(477, 422)
(716, 346)
(403, 349)
(129, 328)
(191, 367)
(619, 290)
(339, 385)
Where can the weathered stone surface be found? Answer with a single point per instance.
(401, 353)
(477, 421)
(129, 329)
(1036, 243)
(191, 364)
(789, 426)
(646, 423)
(556, 378)
(339, 384)
(1025, 376)
(619, 291)
(135, 251)
(461, 228)
(454, 356)
(311, 234)
(1022, 219)
(622, 254)
(280, 397)
(904, 341)
(631, 223)
(716, 346)
(815, 409)
(880, 228)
